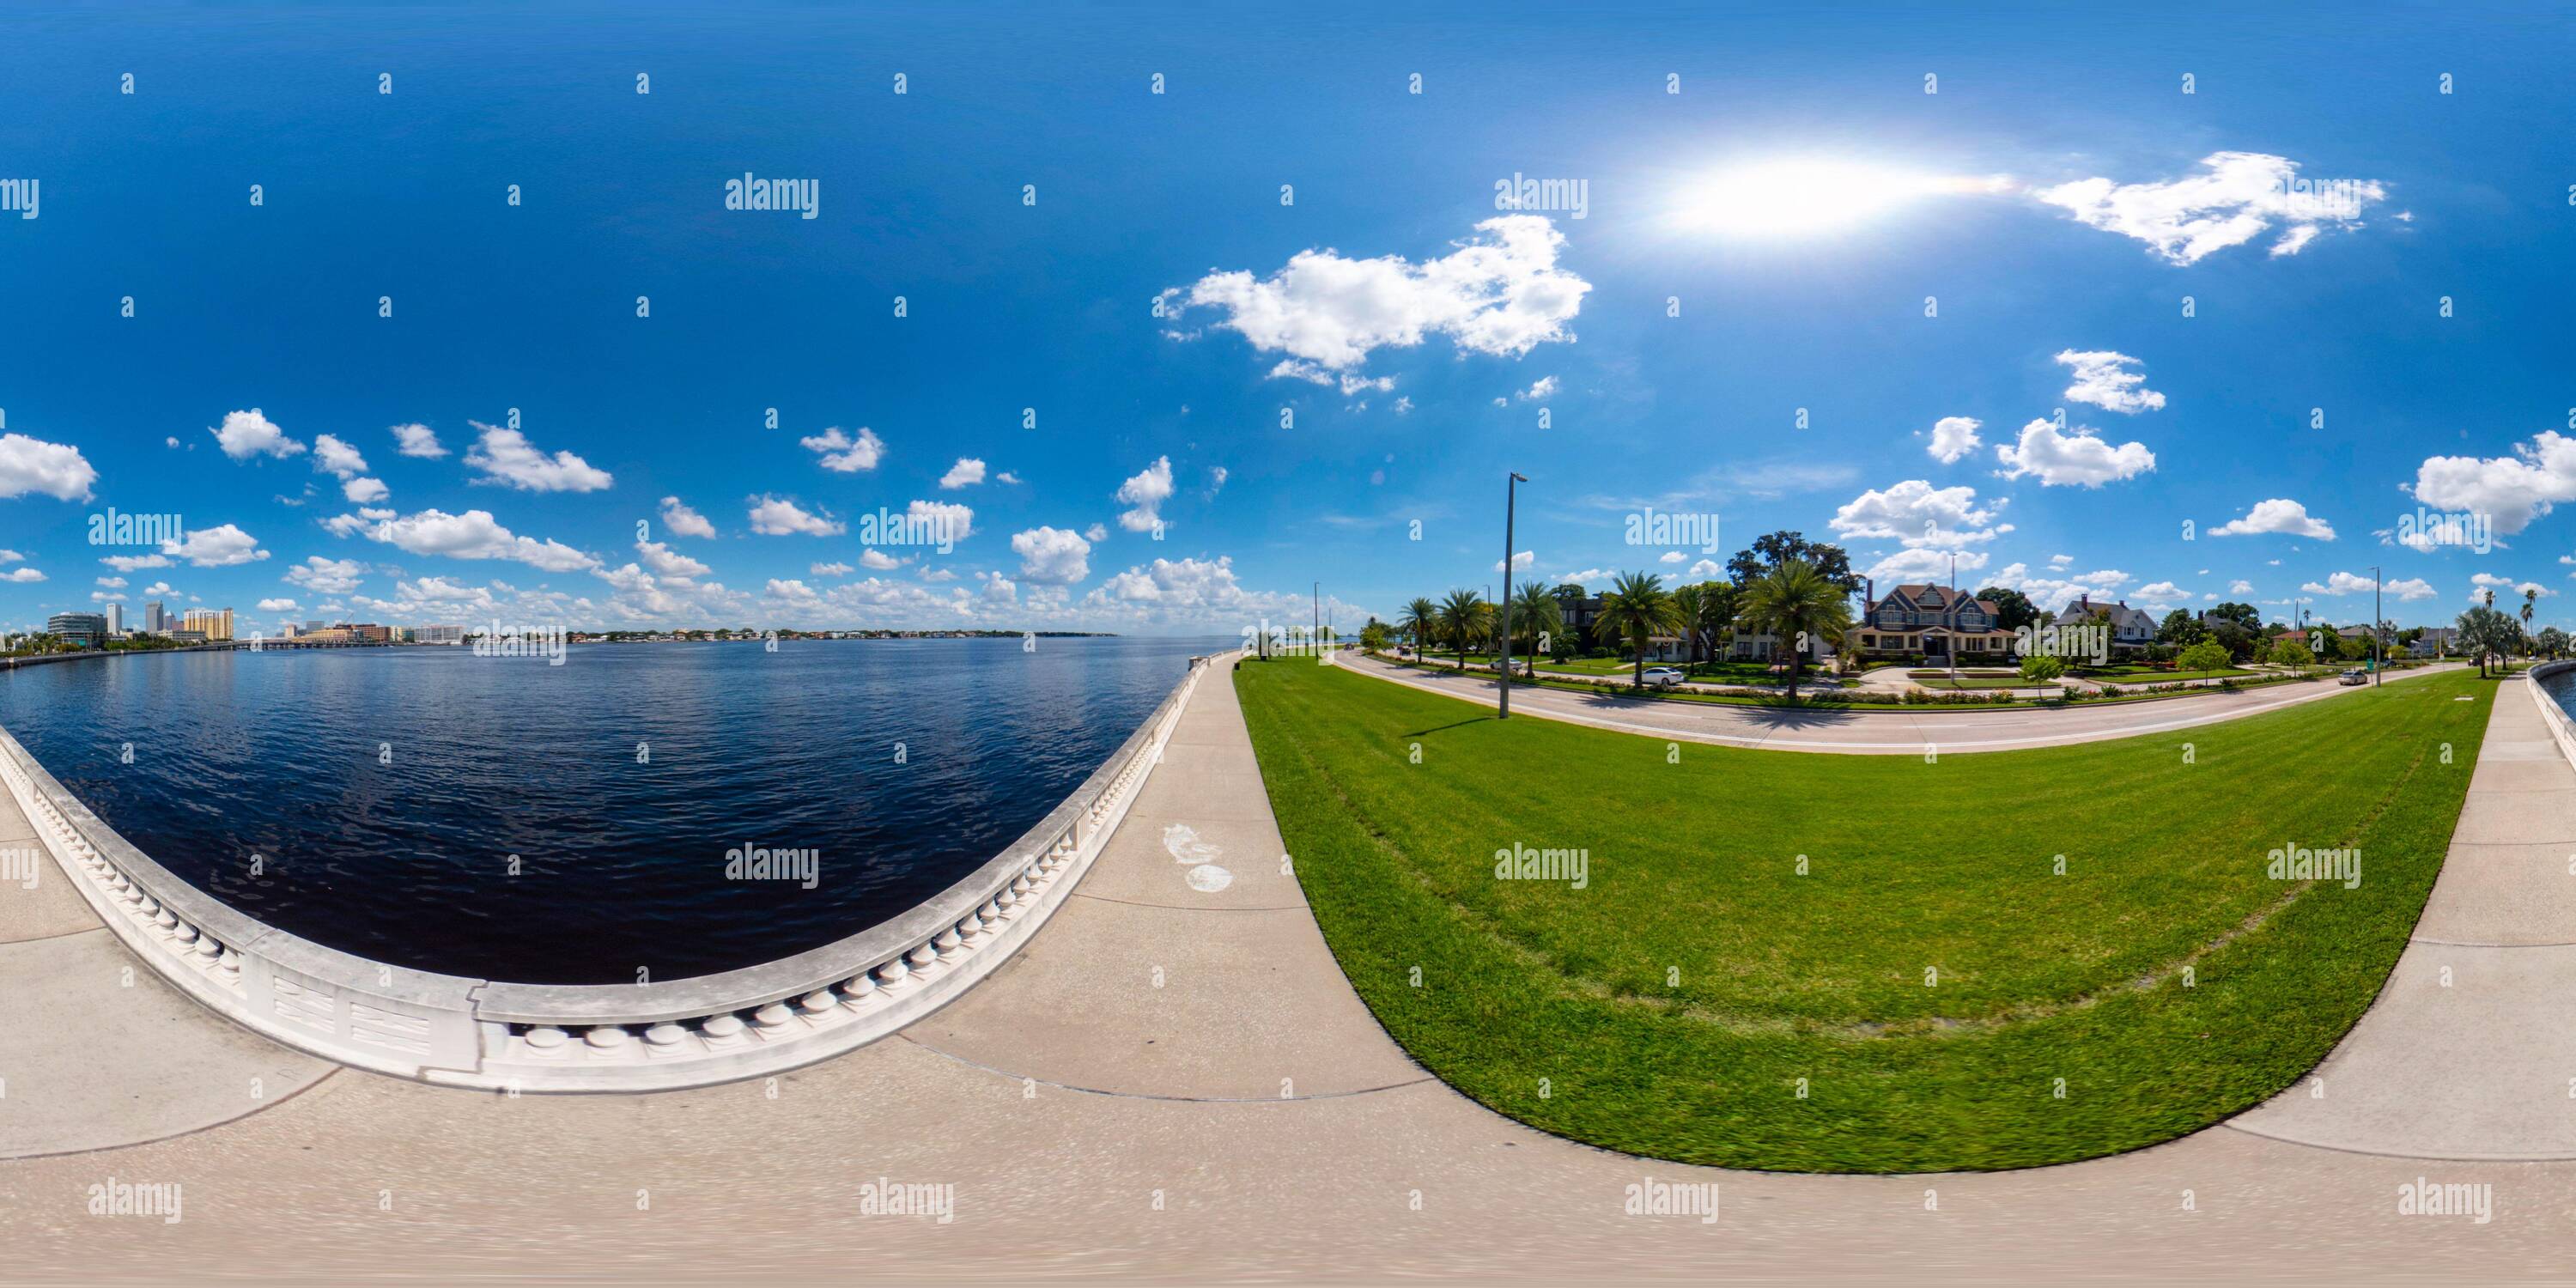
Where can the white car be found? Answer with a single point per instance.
(1663, 677)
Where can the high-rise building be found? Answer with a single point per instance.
(215, 623)
(116, 619)
(86, 630)
(154, 620)
(313, 625)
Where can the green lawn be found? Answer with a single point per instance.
(1673, 1007)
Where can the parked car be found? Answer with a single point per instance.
(2353, 676)
(1663, 677)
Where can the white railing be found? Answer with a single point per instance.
(457, 1031)
(2560, 727)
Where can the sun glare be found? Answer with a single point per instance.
(1803, 197)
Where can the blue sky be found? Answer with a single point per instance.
(1762, 241)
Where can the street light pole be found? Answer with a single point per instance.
(2378, 663)
(1511, 499)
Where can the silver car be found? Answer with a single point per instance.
(1663, 677)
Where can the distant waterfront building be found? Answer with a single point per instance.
(288, 630)
(212, 623)
(116, 619)
(154, 620)
(371, 633)
(439, 634)
(188, 636)
(88, 630)
(313, 625)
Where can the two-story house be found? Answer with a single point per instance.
(2132, 629)
(1932, 621)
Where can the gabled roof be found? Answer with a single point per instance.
(1931, 598)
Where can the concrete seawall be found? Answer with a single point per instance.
(459, 1031)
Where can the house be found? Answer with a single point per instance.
(1933, 621)
(2131, 628)
(2437, 641)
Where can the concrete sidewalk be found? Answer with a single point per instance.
(1175, 1082)
(1884, 731)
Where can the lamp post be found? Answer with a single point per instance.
(1511, 498)
(2377, 662)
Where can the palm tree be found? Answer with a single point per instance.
(2530, 600)
(1464, 618)
(1640, 608)
(1535, 613)
(1718, 601)
(1797, 604)
(1686, 602)
(2484, 633)
(1420, 618)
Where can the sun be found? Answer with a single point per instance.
(1806, 196)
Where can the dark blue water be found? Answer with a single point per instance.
(621, 861)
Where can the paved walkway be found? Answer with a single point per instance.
(1897, 731)
(1178, 1084)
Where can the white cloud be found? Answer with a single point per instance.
(683, 521)
(1348, 382)
(1217, 475)
(1146, 493)
(112, 583)
(967, 472)
(956, 522)
(1498, 293)
(2281, 515)
(1543, 387)
(475, 535)
(22, 576)
(2514, 490)
(669, 564)
(53, 469)
(2240, 587)
(128, 563)
(417, 440)
(11, 556)
(875, 560)
(2078, 459)
(2162, 594)
(1169, 584)
(843, 454)
(833, 569)
(2344, 583)
(1007, 477)
(280, 606)
(1919, 514)
(336, 458)
(1669, 556)
(218, 547)
(1924, 564)
(506, 456)
(2103, 378)
(1056, 555)
(2060, 561)
(778, 517)
(245, 434)
(2053, 593)
(364, 491)
(326, 577)
(157, 588)
(1954, 437)
(1096, 533)
(1522, 561)
(2489, 581)
(2236, 197)
(1704, 568)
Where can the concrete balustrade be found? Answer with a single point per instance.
(2560, 727)
(456, 1031)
